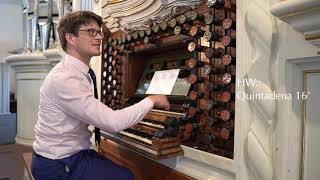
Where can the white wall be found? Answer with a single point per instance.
(11, 36)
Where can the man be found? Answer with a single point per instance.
(67, 107)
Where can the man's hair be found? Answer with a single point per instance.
(72, 22)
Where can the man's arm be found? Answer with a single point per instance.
(78, 102)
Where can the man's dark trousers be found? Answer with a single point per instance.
(84, 165)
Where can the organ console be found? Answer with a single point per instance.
(172, 23)
(212, 87)
(228, 23)
(217, 4)
(182, 19)
(148, 31)
(212, 36)
(224, 115)
(203, 96)
(210, 19)
(156, 135)
(208, 104)
(213, 53)
(226, 60)
(128, 38)
(192, 111)
(179, 30)
(196, 16)
(223, 96)
(193, 79)
(141, 33)
(208, 70)
(193, 95)
(192, 63)
(225, 78)
(135, 35)
(195, 47)
(196, 31)
(228, 41)
(155, 28)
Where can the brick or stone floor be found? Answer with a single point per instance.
(11, 162)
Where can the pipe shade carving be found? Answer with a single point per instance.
(139, 14)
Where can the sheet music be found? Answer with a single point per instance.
(163, 81)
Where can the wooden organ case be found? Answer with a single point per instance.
(201, 42)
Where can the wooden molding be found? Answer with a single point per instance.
(303, 16)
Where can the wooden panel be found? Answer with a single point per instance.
(135, 70)
(142, 168)
(27, 158)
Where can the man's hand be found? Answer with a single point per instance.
(160, 101)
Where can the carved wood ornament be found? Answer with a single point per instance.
(138, 14)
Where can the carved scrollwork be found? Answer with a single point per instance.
(161, 11)
(163, 16)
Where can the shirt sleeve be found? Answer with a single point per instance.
(74, 96)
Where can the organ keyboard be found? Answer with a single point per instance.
(156, 136)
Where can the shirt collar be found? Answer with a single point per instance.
(76, 63)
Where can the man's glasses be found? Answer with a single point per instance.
(92, 32)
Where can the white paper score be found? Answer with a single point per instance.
(163, 81)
